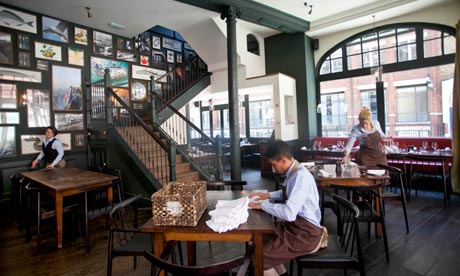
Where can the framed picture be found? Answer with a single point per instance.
(102, 44)
(156, 42)
(68, 121)
(80, 140)
(172, 44)
(138, 106)
(23, 42)
(42, 65)
(38, 108)
(123, 93)
(127, 56)
(188, 55)
(8, 143)
(6, 48)
(144, 73)
(144, 60)
(9, 118)
(170, 56)
(120, 43)
(81, 36)
(22, 21)
(139, 90)
(33, 143)
(76, 56)
(54, 29)
(118, 71)
(158, 59)
(8, 94)
(129, 44)
(142, 43)
(7, 73)
(67, 91)
(178, 58)
(48, 51)
(23, 59)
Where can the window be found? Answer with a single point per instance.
(261, 118)
(252, 44)
(412, 104)
(369, 99)
(333, 114)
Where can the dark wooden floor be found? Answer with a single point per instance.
(431, 248)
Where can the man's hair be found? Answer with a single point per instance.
(53, 129)
(277, 150)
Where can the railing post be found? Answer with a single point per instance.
(219, 172)
(172, 159)
(153, 101)
(108, 103)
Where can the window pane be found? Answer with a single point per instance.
(333, 114)
(261, 118)
(387, 38)
(432, 48)
(369, 99)
(406, 36)
(388, 56)
(337, 53)
(449, 44)
(407, 52)
(429, 34)
(325, 68)
(205, 121)
(370, 59)
(416, 112)
(354, 47)
(354, 62)
(337, 65)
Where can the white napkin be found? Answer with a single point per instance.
(229, 214)
(376, 172)
(308, 164)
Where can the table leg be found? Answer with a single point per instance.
(158, 247)
(58, 205)
(378, 210)
(191, 253)
(258, 255)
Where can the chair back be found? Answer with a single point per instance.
(234, 185)
(396, 176)
(124, 215)
(117, 184)
(161, 262)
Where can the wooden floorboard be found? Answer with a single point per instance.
(431, 248)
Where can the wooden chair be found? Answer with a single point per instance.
(234, 185)
(162, 263)
(344, 249)
(428, 170)
(44, 208)
(367, 198)
(117, 184)
(396, 180)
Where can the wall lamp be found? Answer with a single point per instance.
(23, 99)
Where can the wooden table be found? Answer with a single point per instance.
(258, 224)
(62, 182)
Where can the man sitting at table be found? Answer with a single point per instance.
(299, 232)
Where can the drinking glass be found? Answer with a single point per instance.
(434, 145)
(424, 145)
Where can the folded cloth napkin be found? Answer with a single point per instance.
(229, 214)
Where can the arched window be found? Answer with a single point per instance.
(252, 44)
(415, 63)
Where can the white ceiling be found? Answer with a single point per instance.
(140, 15)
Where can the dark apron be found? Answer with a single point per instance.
(371, 152)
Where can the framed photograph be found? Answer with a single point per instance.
(129, 44)
(142, 43)
(33, 143)
(123, 93)
(23, 42)
(8, 94)
(22, 21)
(7, 73)
(172, 44)
(23, 59)
(138, 106)
(139, 91)
(158, 59)
(38, 108)
(54, 29)
(8, 142)
(127, 56)
(9, 118)
(42, 65)
(80, 140)
(178, 58)
(6, 48)
(76, 56)
(67, 89)
(170, 56)
(144, 60)
(118, 71)
(102, 44)
(156, 42)
(48, 51)
(68, 121)
(188, 55)
(144, 73)
(120, 43)
(81, 36)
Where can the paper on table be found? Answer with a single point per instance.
(376, 172)
(308, 164)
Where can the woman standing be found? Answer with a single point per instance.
(52, 151)
(369, 134)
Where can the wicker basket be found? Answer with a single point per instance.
(179, 203)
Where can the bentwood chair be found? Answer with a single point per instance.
(344, 248)
(242, 263)
(396, 181)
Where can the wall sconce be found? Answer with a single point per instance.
(211, 105)
(318, 108)
(24, 99)
(428, 81)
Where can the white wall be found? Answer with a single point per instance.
(446, 14)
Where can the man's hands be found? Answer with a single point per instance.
(257, 197)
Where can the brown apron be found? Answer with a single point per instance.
(371, 152)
